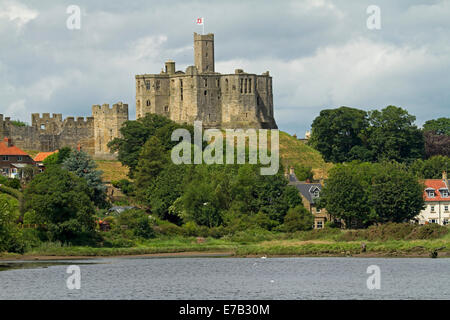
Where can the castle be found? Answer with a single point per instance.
(239, 100)
(49, 133)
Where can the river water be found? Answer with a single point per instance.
(228, 278)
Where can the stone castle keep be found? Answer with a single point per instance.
(239, 100)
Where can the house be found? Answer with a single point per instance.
(310, 194)
(40, 157)
(437, 201)
(13, 159)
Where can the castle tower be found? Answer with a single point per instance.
(204, 52)
(107, 124)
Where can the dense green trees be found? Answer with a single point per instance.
(62, 202)
(363, 194)
(9, 233)
(335, 132)
(440, 126)
(82, 165)
(431, 168)
(347, 134)
(136, 133)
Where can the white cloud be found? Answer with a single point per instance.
(17, 12)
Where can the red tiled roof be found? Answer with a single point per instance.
(435, 184)
(42, 155)
(6, 150)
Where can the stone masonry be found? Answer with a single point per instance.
(49, 133)
(239, 100)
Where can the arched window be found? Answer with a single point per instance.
(148, 103)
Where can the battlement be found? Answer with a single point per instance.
(117, 109)
(36, 117)
(79, 122)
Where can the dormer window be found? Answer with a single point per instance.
(444, 193)
(431, 194)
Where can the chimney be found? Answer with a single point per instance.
(7, 141)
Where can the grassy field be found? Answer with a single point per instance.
(280, 245)
(112, 170)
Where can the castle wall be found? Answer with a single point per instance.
(49, 133)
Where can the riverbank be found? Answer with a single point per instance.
(219, 247)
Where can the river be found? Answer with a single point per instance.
(227, 278)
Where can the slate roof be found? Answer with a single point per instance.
(307, 190)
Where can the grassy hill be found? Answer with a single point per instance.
(292, 152)
(295, 152)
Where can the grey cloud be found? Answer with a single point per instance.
(320, 53)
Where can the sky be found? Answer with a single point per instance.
(321, 54)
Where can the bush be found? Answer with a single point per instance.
(297, 219)
(428, 231)
(125, 185)
(137, 221)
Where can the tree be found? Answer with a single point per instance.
(392, 135)
(80, 163)
(431, 168)
(62, 202)
(152, 160)
(440, 126)
(346, 195)
(9, 233)
(395, 194)
(136, 133)
(58, 157)
(336, 131)
(298, 219)
(436, 144)
(363, 193)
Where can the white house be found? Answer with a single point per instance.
(437, 202)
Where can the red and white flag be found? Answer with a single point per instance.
(200, 21)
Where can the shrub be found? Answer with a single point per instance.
(297, 219)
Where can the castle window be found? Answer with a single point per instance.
(226, 85)
(43, 126)
(181, 83)
(147, 84)
(249, 85)
(206, 82)
(148, 103)
(158, 83)
(242, 85)
(205, 92)
(166, 109)
(217, 82)
(181, 94)
(245, 88)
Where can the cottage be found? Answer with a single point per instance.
(310, 194)
(437, 202)
(12, 159)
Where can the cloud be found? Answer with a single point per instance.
(17, 12)
(319, 52)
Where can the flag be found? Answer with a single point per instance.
(200, 21)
